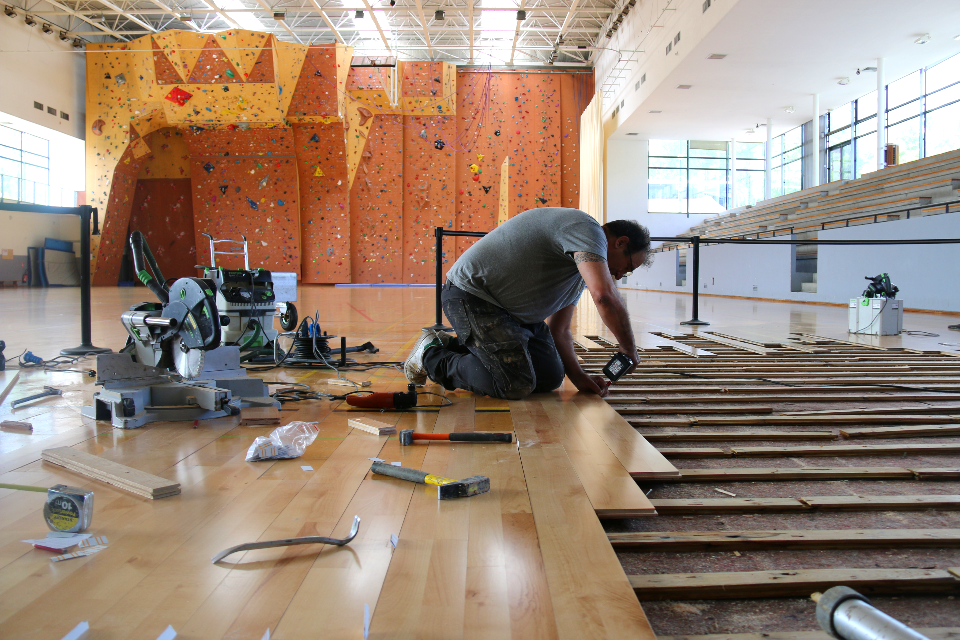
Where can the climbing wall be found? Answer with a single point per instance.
(162, 207)
(324, 202)
(245, 183)
(338, 173)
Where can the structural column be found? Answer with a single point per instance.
(767, 167)
(815, 153)
(733, 174)
(881, 114)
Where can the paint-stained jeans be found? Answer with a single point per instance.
(493, 354)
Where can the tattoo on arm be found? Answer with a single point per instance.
(585, 256)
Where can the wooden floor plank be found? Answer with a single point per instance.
(640, 458)
(941, 448)
(770, 421)
(611, 489)
(590, 594)
(782, 540)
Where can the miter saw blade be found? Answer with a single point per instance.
(188, 362)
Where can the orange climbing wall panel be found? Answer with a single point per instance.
(163, 212)
(325, 202)
(376, 205)
(245, 182)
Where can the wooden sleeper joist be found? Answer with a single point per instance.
(911, 431)
(784, 540)
(775, 474)
(770, 421)
(725, 436)
(785, 584)
(691, 506)
(933, 633)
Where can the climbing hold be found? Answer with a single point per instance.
(230, 74)
(542, 200)
(120, 79)
(97, 127)
(479, 157)
(423, 134)
(487, 189)
(437, 79)
(223, 189)
(253, 204)
(314, 138)
(474, 168)
(497, 132)
(365, 114)
(262, 183)
(208, 167)
(439, 144)
(476, 177)
(318, 173)
(178, 96)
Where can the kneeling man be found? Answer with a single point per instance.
(511, 296)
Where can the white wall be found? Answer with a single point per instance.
(926, 274)
(39, 67)
(19, 230)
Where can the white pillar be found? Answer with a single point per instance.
(769, 161)
(815, 151)
(881, 113)
(733, 174)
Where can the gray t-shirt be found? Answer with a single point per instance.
(526, 264)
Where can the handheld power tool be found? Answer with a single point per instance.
(383, 400)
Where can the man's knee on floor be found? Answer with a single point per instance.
(517, 393)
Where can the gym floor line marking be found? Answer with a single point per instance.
(360, 312)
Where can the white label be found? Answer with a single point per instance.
(877, 304)
(853, 304)
(896, 304)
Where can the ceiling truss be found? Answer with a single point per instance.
(563, 32)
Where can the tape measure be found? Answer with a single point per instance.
(68, 509)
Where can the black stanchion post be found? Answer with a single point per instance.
(438, 326)
(696, 285)
(86, 347)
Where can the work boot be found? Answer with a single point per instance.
(413, 366)
(955, 327)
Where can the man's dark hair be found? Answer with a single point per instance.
(638, 234)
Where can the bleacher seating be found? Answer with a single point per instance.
(924, 187)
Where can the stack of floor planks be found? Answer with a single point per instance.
(132, 480)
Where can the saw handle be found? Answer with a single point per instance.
(372, 401)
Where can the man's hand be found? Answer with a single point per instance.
(591, 384)
(634, 357)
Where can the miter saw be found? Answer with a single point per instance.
(173, 366)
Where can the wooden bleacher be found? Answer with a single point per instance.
(924, 187)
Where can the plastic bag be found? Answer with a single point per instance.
(288, 441)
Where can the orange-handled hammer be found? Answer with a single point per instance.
(407, 436)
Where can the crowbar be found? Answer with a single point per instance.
(269, 544)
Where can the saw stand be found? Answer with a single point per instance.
(134, 394)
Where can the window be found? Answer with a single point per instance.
(688, 176)
(750, 166)
(923, 109)
(786, 163)
(25, 170)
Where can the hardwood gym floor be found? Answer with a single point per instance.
(530, 559)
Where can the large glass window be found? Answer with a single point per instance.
(750, 166)
(688, 176)
(786, 167)
(923, 109)
(25, 170)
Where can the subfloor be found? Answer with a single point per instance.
(530, 559)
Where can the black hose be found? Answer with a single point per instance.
(154, 281)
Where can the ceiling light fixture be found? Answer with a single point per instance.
(46, 28)
(279, 16)
(438, 15)
(843, 81)
(789, 109)
(64, 36)
(866, 69)
(684, 86)
(716, 56)
(186, 17)
(29, 21)
(655, 111)
(358, 15)
(521, 15)
(9, 12)
(78, 43)
(924, 39)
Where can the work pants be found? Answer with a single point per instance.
(493, 354)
